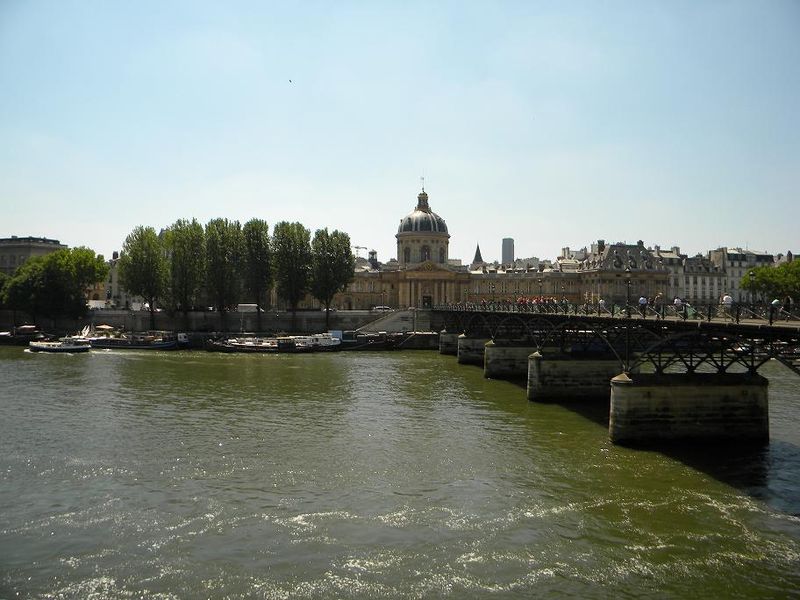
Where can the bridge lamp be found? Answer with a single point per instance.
(752, 277)
(540, 287)
(628, 290)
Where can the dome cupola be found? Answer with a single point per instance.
(422, 236)
(422, 218)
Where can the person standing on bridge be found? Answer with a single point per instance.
(774, 309)
(727, 306)
(678, 304)
(786, 310)
(643, 305)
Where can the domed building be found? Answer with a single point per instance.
(422, 236)
(421, 276)
(424, 276)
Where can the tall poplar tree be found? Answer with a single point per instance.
(291, 252)
(332, 266)
(257, 262)
(224, 263)
(185, 242)
(143, 267)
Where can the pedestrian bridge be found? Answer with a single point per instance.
(670, 375)
(710, 339)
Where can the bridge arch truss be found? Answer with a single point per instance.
(665, 345)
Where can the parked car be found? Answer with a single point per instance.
(382, 309)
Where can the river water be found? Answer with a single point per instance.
(374, 475)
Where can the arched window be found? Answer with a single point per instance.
(441, 255)
(424, 254)
(407, 254)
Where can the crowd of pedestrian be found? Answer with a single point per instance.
(652, 306)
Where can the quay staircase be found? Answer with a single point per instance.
(399, 321)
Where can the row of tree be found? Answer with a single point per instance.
(226, 262)
(53, 285)
(221, 263)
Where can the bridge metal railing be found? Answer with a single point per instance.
(734, 313)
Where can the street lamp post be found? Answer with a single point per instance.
(628, 291)
(628, 325)
(751, 276)
(540, 288)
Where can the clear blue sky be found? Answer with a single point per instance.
(554, 123)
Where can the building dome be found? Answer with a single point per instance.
(422, 219)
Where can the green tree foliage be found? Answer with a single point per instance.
(774, 282)
(25, 290)
(332, 265)
(291, 253)
(224, 263)
(257, 262)
(4, 278)
(185, 244)
(85, 267)
(56, 284)
(143, 267)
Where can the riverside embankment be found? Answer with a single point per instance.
(199, 321)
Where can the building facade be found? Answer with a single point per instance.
(737, 264)
(423, 275)
(14, 251)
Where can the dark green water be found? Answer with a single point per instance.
(393, 475)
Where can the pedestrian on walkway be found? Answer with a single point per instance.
(787, 307)
(727, 306)
(658, 305)
(678, 305)
(774, 309)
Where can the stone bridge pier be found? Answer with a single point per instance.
(471, 350)
(506, 359)
(448, 343)
(647, 408)
(566, 356)
(555, 376)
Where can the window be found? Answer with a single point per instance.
(407, 254)
(441, 255)
(424, 253)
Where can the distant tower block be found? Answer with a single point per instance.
(508, 251)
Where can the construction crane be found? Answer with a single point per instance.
(357, 248)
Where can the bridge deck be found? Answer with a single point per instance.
(667, 341)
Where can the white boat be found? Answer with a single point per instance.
(319, 342)
(244, 344)
(65, 345)
(325, 342)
